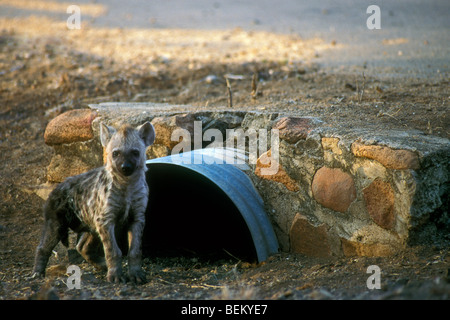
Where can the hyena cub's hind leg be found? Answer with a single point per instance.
(53, 232)
(91, 249)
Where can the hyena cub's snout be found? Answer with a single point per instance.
(127, 162)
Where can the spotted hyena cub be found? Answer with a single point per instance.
(105, 206)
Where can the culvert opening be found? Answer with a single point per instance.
(190, 215)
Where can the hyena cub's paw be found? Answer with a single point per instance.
(116, 276)
(37, 275)
(101, 266)
(137, 275)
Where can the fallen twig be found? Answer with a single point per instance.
(239, 260)
(230, 94)
(204, 286)
(381, 113)
(361, 94)
(254, 86)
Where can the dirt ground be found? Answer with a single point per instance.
(44, 73)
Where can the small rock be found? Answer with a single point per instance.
(212, 79)
(71, 126)
(44, 190)
(333, 188)
(390, 158)
(379, 198)
(293, 129)
(278, 174)
(350, 86)
(307, 239)
(321, 294)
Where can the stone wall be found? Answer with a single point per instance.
(338, 191)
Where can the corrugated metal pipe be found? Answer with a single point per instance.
(203, 202)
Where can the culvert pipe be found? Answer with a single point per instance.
(223, 184)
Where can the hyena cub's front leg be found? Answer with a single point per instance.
(113, 254)
(135, 272)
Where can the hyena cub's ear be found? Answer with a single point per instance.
(106, 132)
(147, 133)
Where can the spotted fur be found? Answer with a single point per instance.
(105, 206)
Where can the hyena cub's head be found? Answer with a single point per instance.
(125, 147)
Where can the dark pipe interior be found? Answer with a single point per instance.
(189, 215)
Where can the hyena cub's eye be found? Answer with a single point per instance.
(115, 153)
(135, 153)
